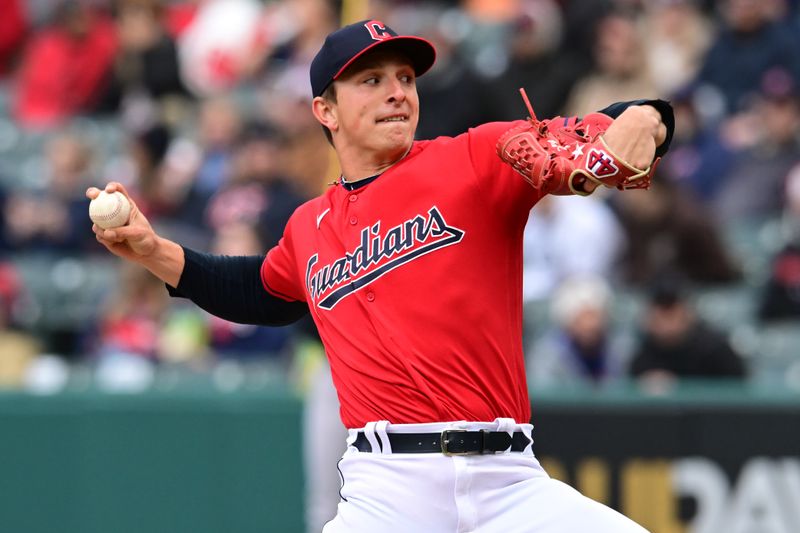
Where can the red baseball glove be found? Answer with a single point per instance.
(564, 152)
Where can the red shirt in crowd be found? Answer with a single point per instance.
(61, 74)
(13, 25)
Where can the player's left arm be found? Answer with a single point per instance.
(619, 146)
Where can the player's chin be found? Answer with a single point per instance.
(396, 147)
(398, 133)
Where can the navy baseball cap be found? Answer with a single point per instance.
(347, 44)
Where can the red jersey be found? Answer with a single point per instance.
(414, 281)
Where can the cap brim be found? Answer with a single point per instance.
(420, 51)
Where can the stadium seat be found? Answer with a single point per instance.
(727, 307)
(777, 352)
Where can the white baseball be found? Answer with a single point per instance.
(110, 210)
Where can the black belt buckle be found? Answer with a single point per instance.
(444, 439)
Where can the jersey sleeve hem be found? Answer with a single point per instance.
(272, 290)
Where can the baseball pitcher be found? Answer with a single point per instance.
(411, 267)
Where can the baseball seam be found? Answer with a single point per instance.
(112, 214)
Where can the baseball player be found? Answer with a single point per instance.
(411, 268)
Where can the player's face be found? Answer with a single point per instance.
(377, 107)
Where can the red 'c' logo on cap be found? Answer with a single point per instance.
(377, 30)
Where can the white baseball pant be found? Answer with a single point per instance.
(506, 492)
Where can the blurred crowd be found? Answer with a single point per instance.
(202, 109)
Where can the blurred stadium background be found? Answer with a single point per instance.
(665, 381)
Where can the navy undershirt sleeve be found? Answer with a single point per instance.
(230, 287)
(662, 106)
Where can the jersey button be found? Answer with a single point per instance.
(353, 197)
(353, 221)
(370, 296)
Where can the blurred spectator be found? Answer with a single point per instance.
(482, 29)
(13, 26)
(620, 72)
(676, 343)
(137, 322)
(749, 42)
(17, 347)
(184, 337)
(286, 103)
(149, 147)
(568, 236)
(582, 346)
(790, 215)
(256, 192)
(5, 246)
(142, 173)
(678, 37)
(163, 182)
(220, 124)
(221, 45)
(449, 84)
(667, 230)
(755, 185)
(247, 215)
(65, 66)
(536, 63)
(580, 31)
(185, 173)
(179, 14)
(298, 28)
(244, 342)
(307, 158)
(780, 298)
(699, 158)
(131, 318)
(490, 10)
(138, 327)
(146, 63)
(53, 218)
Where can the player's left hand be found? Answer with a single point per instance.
(579, 155)
(635, 134)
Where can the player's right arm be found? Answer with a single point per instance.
(228, 287)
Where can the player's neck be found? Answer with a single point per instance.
(356, 170)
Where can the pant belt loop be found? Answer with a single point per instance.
(380, 429)
(369, 432)
(509, 425)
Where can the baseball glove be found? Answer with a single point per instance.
(564, 152)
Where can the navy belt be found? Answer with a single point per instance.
(450, 442)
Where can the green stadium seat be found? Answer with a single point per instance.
(727, 307)
(777, 352)
(63, 292)
(753, 243)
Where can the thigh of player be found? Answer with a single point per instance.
(438, 494)
(540, 504)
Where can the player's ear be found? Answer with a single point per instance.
(325, 112)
